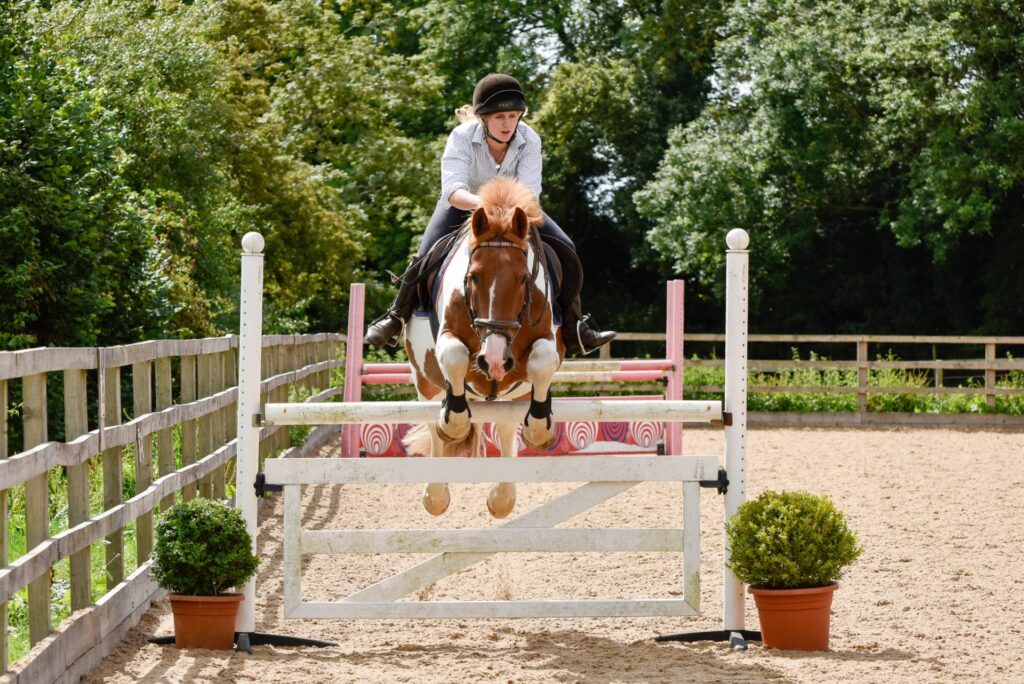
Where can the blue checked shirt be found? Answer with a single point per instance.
(467, 163)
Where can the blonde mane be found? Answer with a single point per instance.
(499, 198)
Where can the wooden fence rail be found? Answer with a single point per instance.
(868, 353)
(175, 442)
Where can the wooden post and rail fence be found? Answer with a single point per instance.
(173, 439)
(178, 440)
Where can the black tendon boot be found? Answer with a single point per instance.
(580, 339)
(386, 330)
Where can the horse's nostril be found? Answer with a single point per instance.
(509, 364)
(482, 362)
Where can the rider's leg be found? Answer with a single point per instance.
(578, 336)
(386, 329)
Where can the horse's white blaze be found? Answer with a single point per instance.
(495, 350)
(495, 347)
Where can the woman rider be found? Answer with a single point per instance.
(492, 140)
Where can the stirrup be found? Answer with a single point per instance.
(583, 351)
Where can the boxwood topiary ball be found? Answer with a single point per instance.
(790, 540)
(202, 549)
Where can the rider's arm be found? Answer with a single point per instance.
(529, 169)
(455, 166)
(464, 199)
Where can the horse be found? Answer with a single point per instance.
(496, 337)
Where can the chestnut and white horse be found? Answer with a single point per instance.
(496, 338)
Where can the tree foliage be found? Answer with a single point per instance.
(871, 148)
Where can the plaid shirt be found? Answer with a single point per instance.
(467, 163)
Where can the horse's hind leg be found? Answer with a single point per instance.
(538, 429)
(502, 498)
(435, 495)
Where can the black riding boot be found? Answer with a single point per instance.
(580, 339)
(386, 330)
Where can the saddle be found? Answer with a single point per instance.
(562, 266)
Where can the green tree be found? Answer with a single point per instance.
(873, 150)
(636, 71)
(329, 109)
(63, 223)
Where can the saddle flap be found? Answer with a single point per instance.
(430, 268)
(554, 265)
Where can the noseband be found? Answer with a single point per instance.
(485, 327)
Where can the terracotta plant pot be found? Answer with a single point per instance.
(205, 621)
(795, 619)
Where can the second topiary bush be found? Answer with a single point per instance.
(790, 540)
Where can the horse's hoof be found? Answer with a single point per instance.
(500, 507)
(436, 498)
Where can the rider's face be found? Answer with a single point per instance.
(502, 125)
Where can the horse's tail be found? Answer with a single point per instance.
(417, 442)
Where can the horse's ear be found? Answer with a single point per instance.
(479, 222)
(520, 224)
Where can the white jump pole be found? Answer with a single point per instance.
(737, 260)
(250, 349)
(734, 410)
(247, 454)
(355, 413)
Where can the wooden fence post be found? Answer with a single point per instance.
(76, 423)
(142, 403)
(165, 438)
(323, 353)
(990, 374)
(231, 411)
(285, 363)
(113, 493)
(862, 377)
(188, 427)
(37, 504)
(205, 382)
(218, 427)
(4, 453)
(266, 370)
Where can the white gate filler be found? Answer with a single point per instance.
(457, 549)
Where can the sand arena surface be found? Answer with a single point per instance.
(938, 595)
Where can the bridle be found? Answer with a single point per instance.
(485, 327)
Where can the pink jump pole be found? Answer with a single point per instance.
(674, 353)
(354, 363)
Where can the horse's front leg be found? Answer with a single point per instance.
(538, 428)
(436, 496)
(453, 424)
(502, 498)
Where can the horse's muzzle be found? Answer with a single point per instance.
(510, 363)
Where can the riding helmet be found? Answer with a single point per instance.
(498, 93)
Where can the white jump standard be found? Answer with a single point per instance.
(606, 476)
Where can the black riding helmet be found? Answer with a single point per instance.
(498, 93)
